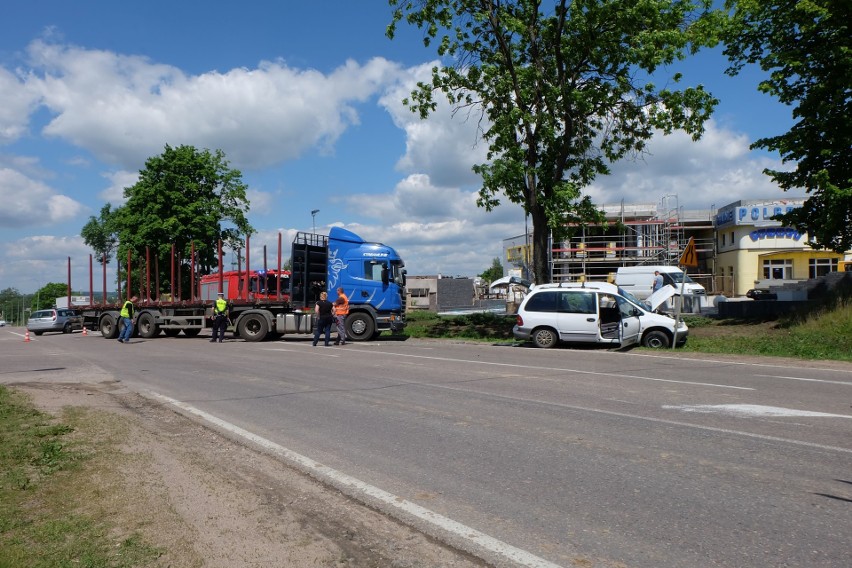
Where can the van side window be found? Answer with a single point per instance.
(578, 303)
(626, 308)
(542, 302)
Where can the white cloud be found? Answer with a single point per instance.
(118, 180)
(438, 229)
(446, 145)
(30, 203)
(717, 170)
(32, 262)
(124, 108)
(19, 99)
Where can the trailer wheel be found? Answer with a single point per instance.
(359, 327)
(253, 327)
(171, 332)
(147, 326)
(191, 331)
(108, 328)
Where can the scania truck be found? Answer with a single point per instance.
(272, 303)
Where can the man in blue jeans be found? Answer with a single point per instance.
(127, 317)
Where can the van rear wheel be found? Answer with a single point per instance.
(545, 338)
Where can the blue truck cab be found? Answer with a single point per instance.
(372, 276)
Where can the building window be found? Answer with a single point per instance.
(778, 269)
(419, 292)
(723, 239)
(732, 238)
(821, 266)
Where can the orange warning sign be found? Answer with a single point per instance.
(690, 255)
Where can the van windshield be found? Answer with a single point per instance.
(630, 297)
(680, 277)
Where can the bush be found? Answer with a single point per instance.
(482, 326)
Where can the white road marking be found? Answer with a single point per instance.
(341, 480)
(844, 383)
(323, 353)
(655, 420)
(849, 370)
(564, 370)
(752, 410)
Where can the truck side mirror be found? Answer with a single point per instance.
(385, 275)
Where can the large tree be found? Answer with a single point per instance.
(563, 88)
(184, 196)
(100, 234)
(805, 46)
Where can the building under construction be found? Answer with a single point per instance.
(634, 234)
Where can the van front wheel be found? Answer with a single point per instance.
(656, 340)
(545, 338)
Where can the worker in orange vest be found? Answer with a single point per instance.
(341, 310)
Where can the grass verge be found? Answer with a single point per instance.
(47, 516)
(822, 333)
(477, 327)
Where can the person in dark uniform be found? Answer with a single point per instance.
(220, 317)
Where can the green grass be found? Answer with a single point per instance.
(43, 470)
(477, 327)
(823, 333)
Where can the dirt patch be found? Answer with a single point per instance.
(208, 501)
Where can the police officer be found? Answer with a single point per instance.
(220, 317)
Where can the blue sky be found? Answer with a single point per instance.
(305, 99)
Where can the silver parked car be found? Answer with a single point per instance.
(56, 319)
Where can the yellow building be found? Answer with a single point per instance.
(755, 251)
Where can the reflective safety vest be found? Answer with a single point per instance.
(341, 309)
(127, 309)
(221, 306)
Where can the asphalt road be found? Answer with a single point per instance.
(556, 457)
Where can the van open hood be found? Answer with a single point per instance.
(660, 296)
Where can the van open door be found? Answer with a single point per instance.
(630, 328)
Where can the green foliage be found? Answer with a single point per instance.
(806, 49)
(561, 91)
(494, 272)
(822, 332)
(11, 302)
(45, 297)
(101, 234)
(477, 326)
(38, 527)
(183, 197)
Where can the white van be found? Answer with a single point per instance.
(592, 312)
(639, 280)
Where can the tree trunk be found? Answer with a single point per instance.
(541, 245)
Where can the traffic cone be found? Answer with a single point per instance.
(27, 336)
(85, 331)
